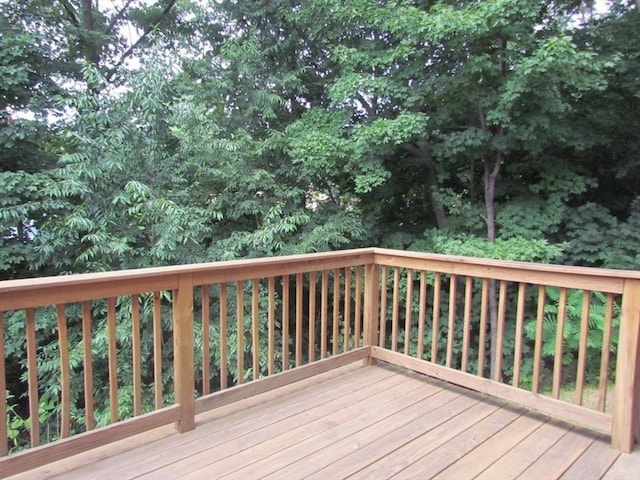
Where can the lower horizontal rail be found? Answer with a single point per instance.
(549, 406)
(82, 442)
(262, 385)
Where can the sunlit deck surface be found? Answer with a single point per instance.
(359, 422)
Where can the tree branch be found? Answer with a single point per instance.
(118, 16)
(140, 40)
(73, 18)
(370, 109)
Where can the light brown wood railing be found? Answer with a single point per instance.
(269, 322)
(192, 312)
(446, 300)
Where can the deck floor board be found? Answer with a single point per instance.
(358, 422)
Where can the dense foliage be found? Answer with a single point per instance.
(219, 130)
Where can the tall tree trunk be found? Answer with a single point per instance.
(438, 208)
(490, 176)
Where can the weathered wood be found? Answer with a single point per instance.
(83, 442)
(88, 366)
(285, 322)
(371, 295)
(603, 280)
(157, 351)
(240, 331)
(312, 316)
(502, 310)
(347, 309)
(421, 313)
(32, 377)
(255, 328)
(277, 380)
(435, 323)
(271, 326)
(299, 292)
(357, 330)
(407, 312)
(383, 307)
(324, 303)
(224, 328)
(604, 354)
(557, 359)
(466, 329)
(183, 355)
(565, 411)
(136, 360)
(482, 337)
(395, 305)
(17, 294)
(65, 377)
(517, 353)
(206, 341)
(451, 330)
(582, 346)
(336, 312)
(626, 411)
(112, 359)
(539, 340)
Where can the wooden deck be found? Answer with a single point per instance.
(358, 422)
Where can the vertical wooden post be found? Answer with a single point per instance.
(183, 355)
(371, 297)
(626, 412)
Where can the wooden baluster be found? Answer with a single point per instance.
(407, 312)
(271, 325)
(482, 339)
(502, 311)
(183, 353)
(65, 372)
(358, 313)
(557, 361)
(90, 421)
(383, 307)
(240, 330)
(336, 311)
(347, 308)
(626, 421)
(4, 435)
(582, 346)
(453, 290)
(137, 355)
(255, 325)
(371, 296)
(537, 349)
(517, 353)
(32, 377)
(299, 296)
(435, 324)
(395, 307)
(112, 359)
(468, 290)
(604, 354)
(285, 322)
(206, 341)
(312, 316)
(421, 313)
(323, 313)
(157, 351)
(224, 335)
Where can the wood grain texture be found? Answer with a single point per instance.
(32, 378)
(136, 350)
(65, 369)
(4, 450)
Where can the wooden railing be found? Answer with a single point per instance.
(176, 341)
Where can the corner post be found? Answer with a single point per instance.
(626, 412)
(371, 298)
(183, 355)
